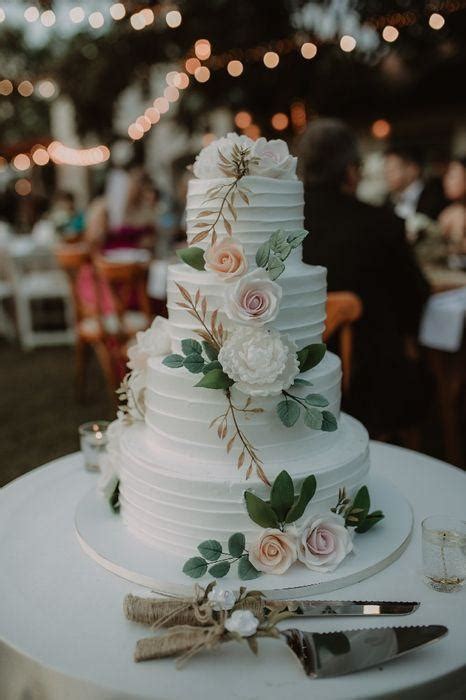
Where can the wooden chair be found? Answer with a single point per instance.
(343, 309)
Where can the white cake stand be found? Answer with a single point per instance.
(108, 541)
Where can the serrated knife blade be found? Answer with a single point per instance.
(339, 653)
(344, 608)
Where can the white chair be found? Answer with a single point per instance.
(35, 277)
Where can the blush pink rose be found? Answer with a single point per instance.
(254, 299)
(274, 551)
(324, 542)
(226, 258)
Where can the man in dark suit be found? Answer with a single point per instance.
(365, 251)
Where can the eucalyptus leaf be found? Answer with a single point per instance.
(262, 255)
(316, 400)
(260, 511)
(210, 549)
(301, 382)
(220, 570)
(296, 238)
(369, 522)
(313, 418)
(275, 267)
(236, 544)
(277, 239)
(195, 567)
(288, 412)
(308, 490)
(215, 379)
(282, 495)
(360, 505)
(210, 351)
(311, 355)
(192, 256)
(173, 361)
(211, 365)
(329, 422)
(194, 363)
(189, 345)
(246, 571)
(283, 251)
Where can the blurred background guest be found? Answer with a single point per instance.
(452, 219)
(65, 216)
(365, 251)
(408, 192)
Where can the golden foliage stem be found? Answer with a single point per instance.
(246, 443)
(222, 204)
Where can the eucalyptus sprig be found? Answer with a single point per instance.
(272, 254)
(284, 506)
(218, 563)
(357, 514)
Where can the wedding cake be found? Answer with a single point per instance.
(236, 389)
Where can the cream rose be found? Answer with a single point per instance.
(274, 551)
(254, 300)
(208, 161)
(274, 160)
(259, 360)
(324, 542)
(226, 258)
(153, 342)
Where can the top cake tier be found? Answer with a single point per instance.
(270, 204)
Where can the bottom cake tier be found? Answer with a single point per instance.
(174, 502)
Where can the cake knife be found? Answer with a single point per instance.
(341, 608)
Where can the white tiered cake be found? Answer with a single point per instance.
(179, 485)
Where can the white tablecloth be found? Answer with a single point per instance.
(63, 635)
(442, 324)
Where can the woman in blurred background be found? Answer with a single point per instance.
(452, 219)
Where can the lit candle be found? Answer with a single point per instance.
(93, 441)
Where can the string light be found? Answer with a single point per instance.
(96, 20)
(152, 114)
(40, 156)
(25, 88)
(64, 155)
(46, 89)
(48, 18)
(135, 132)
(347, 43)
(22, 162)
(235, 68)
(161, 104)
(171, 93)
(243, 120)
(6, 87)
(31, 14)
(308, 50)
(390, 33)
(436, 21)
(271, 59)
(148, 16)
(381, 129)
(202, 74)
(117, 11)
(280, 121)
(181, 81)
(23, 187)
(192, 64)
(77, 14)
(173, 19)
(202, 49)
(144, 123)
(171, 77)
(137, 21)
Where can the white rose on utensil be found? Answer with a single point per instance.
(324, 542)
(221, 598)
(254, 299)
(274, 160)
(260, 361)
(274, 551)
(153, 342)
(243, 622)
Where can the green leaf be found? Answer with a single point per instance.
(301, 382)
(308, 490)
(173, 361)
(288, 412)
(275, 267)
(370, 520)
(211, 365)
(313, 418)
(236, 544)
(210, 549)
(260, 511)
(361, 504)
(189, 345)
(296, 238)
(316, 400)
(311, 355)
(282, 495)
(194, 257)
(215, 379)
(246, 571)
(277, 239)
(210, 351)
(262, 255)
(283, 251)
(195, 567)
(114, 499)
(194, 363)
(220, 570)
(329, 422)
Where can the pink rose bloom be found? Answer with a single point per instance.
(226, 258)
(254, 300)
(274, 551)
(324, 542)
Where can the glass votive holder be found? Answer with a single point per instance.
(93, 441)
(444, 552)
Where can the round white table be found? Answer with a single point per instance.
(63, 635)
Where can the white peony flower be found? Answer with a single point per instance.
(274, 160)
(153, 342)
(207, 162)
(259, 360)
(254, 299)
(324, 542)
(243, 622)
(136, 394)
(221, 598)
(274, 551)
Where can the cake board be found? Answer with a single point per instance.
(105, 538)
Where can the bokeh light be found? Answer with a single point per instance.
(6, 87)
(161, 104)
(144, 122)
(48, 18)
(96, 20)
(253, 131)
(117, 11)
(308, 50)
(77, 14)
(192, 64)
(152, 114)
(40, 156)
(22, 162)
(25, 88)
(23, 187)
(181, 81)
(271, 59)
(137, 21)
(173, 19)
(31, 14)
(347, 43)
(46, 89)
(243, 120)
(202, 49)
(280, 121)
(390, 33)
(171, 93)
(147, 15)
(202, 74)
(381, 129)
(436, 21)
(135, 131)
(235, 68)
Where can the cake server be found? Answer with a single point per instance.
(342, 608)
(338, 653)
